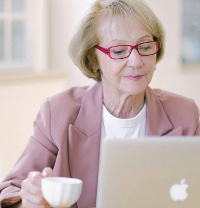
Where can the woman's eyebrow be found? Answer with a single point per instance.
(117, 41)
(146, 36)
(125, 41)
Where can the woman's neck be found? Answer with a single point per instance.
(123, 105)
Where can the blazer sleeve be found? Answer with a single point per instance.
(39, 153)
(196, 110)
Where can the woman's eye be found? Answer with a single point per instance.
(145, 48)
(118, 52)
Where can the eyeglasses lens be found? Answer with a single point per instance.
(148, 48)
(119, 52)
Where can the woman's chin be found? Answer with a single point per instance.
(134, 89)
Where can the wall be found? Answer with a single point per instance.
(65, 15)
(19, 104)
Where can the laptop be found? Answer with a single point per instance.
(150, 172)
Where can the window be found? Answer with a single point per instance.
(190, 43)
(14, 44)
(24, 31)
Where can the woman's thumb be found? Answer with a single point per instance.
(47, 172)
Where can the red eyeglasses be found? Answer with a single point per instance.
(124, 51)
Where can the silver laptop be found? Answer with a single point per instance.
(151, 172)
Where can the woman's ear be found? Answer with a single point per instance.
(92, 58)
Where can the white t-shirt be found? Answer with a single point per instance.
(113, 127)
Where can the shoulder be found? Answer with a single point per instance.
(63, 106)
(74, 96)
(170, 98)
(177, 107)
(67, 97)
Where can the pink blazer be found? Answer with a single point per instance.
(67, 132)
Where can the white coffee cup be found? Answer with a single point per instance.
(61, 191)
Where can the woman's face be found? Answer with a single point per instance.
(119, 75)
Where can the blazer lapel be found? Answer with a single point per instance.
(84, 145)
(175, 132)
(157, 122)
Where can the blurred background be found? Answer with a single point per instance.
(34, 60)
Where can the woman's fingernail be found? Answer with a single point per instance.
(44, 173)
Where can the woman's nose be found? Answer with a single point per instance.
(134, 60)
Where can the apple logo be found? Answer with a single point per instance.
(178, 191)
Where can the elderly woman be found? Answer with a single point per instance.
(118, 44)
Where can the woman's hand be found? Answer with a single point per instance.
(31, 192)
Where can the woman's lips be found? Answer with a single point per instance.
(134, 78)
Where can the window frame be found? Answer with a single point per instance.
(37, 25)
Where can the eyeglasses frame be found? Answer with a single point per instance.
(107, 50)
